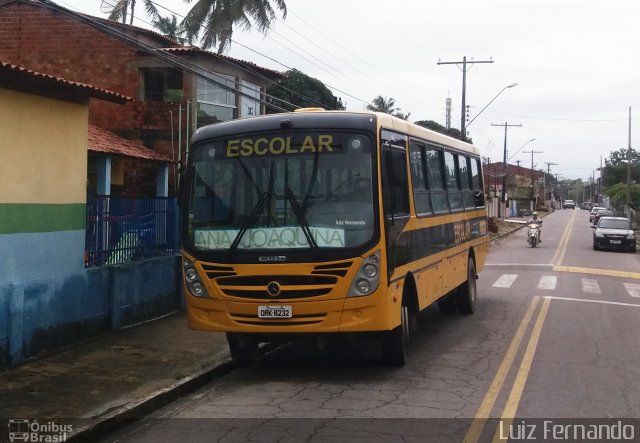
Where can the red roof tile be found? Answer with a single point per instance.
(195, 50)
(8, 70)
(106, 142)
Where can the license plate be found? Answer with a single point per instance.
(274, 312)
(615, 242)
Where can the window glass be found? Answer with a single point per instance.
(435, 178)
(465, 182)
(453, 185)
(421, 198)
(476, 183)
(216, 99)
(395, 177)
(249, 99)
(279, 197)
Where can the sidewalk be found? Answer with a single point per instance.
(121, 374)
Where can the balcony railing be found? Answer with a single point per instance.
(126, 230)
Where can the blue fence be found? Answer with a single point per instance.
(127, 230)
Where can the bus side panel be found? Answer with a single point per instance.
(456, 271)
(430, 287)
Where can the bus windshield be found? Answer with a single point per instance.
(302, 189)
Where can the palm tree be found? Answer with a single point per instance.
(169, 28)
(387, 105)
(216, 18)
(119, 11)
(383, 104)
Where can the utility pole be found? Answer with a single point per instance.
(545, 183)
(533, 206)
(629, 170)
(448, 113)
(463, 109)
(504, 164)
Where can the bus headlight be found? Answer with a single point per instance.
(368, 277)
(192, 280)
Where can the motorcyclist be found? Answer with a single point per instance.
(538, 221)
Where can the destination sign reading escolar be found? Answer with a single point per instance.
(247, 147)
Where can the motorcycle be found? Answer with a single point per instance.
(533, 234)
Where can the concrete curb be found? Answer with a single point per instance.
(113, 419)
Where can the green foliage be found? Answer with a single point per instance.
(122, 7)
(169, 28)
(614, 177)
(618, 195)
(388, 106)
(214, 20)
(435, 126)
(301, 90)
(615, 170)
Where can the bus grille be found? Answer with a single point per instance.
(297, 320)
(321, 281)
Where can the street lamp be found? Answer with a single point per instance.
(512, 85)
(518, 150)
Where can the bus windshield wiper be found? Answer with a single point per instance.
(299, 211)
(302, 221)
(263, 201)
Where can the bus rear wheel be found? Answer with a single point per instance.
(467, 292)
(396, 342)
(242, 347)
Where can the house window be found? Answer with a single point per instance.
(161, 84)
(250, 99)
(216, 99)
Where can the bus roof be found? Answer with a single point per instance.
(329, 119)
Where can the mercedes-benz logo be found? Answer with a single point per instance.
(273, 288)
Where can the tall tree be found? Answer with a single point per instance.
(301, 90)
(169, 28)
(215, 19)
(388, 106)
(615, 170)
(383, 104)
(124, 7)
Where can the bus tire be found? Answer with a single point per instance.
(467, 292)
(242, 347)
(395, 342)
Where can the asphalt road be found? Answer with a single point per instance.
(553, 348)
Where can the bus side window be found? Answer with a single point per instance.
(476, 183)
(395, 182)
(435, 177)
(465, 182)
(453, 184)
(421, 198)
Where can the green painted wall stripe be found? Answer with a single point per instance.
(33, 217)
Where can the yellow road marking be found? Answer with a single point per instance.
(484, 411)
(596, 271)
(509, 412)
(564, 242)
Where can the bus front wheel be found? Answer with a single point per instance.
(395, 342)
(242, 347)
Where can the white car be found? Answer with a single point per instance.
(594, 211)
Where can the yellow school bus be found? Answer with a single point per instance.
(316, 223)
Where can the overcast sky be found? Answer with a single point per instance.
(576, 63)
